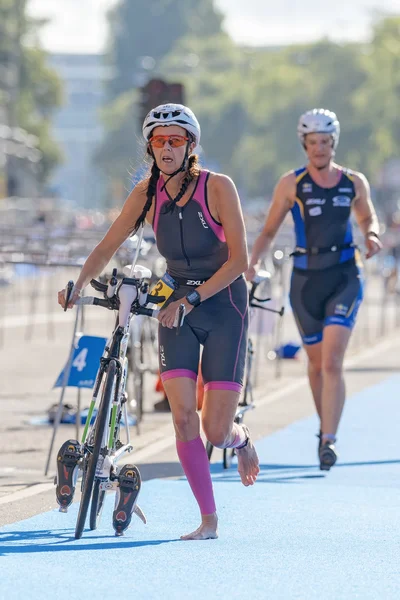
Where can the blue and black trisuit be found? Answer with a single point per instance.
(326, 285)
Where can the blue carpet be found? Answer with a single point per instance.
(298, 533)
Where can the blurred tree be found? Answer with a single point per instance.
(288, 82)
(143, 32)
(30, 90)
(40, 94)
(248, 100)
(376, 102)
(210, 68)
(123, 149)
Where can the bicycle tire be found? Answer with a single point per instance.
(209, 449)
(136, 380)
(96, 505)
(229, 453)
(100, 426)
(249, 366)
(139, 378)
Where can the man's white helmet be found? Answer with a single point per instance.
(172, 114)
(319, 120)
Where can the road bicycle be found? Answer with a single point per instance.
(95, 457)
(246, 403)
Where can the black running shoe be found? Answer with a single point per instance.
(67, 472)
(126, 497)
(327, 456)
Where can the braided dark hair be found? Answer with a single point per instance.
(150, 193)
(192, 172)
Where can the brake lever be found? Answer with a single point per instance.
(179, 318)
(156, 299)
(68, 289)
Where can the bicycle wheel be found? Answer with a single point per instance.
(136, 372)
(249, 364)
(143, 359)
(100, 425)
(209, 449)
(229, 453)
(96, 506)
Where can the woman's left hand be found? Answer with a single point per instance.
(167, 315)
(373, 244)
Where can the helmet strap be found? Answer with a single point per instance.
(181, 168)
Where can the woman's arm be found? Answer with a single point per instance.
(230, 216)
(282, 202)
(119, 231)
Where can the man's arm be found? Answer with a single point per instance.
(366, 216)
(282, 202)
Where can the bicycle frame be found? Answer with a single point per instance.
(115, 349)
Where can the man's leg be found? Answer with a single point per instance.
(334, 344)
(314, 370)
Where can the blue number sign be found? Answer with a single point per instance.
(85, 362)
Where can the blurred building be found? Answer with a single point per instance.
(77, 128)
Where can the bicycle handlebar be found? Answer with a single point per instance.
(98, 286)
(93, 300)
(113, 302)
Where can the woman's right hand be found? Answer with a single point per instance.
(76, 292)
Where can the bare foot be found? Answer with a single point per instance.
(208, 529)
(248, 464)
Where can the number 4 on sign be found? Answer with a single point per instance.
(80, 361)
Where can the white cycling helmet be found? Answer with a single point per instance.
(172, 114)
(319, 120)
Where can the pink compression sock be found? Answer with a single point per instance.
(239, 439)
(195, 463)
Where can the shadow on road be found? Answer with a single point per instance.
(284, 473)
(62, 540)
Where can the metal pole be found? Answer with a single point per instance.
(32, 312)
(78, 415)
(397, 308)
(67, 372)
(383, 309)
(279, 326)
(2, 317)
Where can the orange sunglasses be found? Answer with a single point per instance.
(175, 141)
